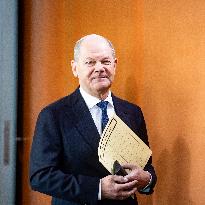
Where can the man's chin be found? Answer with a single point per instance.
(103, 86)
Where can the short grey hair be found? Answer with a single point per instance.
(79, 42)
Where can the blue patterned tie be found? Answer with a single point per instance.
(103, 106)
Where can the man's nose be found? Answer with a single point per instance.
(99, 67)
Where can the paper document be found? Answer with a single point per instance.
(119, 142)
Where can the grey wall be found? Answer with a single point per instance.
(8, 98)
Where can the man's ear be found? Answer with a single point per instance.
(115, 63)
(74, 68)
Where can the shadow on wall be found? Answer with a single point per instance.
(174, 174)
(173, 166)
(181, 173)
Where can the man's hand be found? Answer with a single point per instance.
(117, 187)
(137, 173)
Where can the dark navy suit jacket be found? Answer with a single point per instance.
(64, 161)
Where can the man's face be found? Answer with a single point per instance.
(95, 67)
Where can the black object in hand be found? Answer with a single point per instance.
(118, 169)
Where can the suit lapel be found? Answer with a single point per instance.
(121, 110)
(83, 120)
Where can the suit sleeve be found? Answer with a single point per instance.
(46, 175)
(143, 134)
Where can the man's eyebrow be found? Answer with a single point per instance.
(89, 58)
(105, 58)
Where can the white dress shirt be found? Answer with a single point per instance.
(95, 111)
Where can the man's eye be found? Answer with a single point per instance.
(106, 62)
(90, 62)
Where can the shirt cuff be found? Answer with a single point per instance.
(147, 188)
(99, 192)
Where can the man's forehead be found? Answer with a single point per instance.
(95, 47)
(94, 43)
(97, 57)
(93, 38)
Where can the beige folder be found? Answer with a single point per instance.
(119, 142)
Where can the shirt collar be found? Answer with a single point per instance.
(91, 101)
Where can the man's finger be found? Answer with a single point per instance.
(128, 185)
(130, 166)
(120, 179)
(125, 194)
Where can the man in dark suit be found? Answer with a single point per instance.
(64, 161)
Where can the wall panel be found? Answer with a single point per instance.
(160, 46)
(8, 99)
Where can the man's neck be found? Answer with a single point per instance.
(103, 96)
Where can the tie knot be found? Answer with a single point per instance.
(102, 104)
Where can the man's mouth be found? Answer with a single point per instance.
(100, 77)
